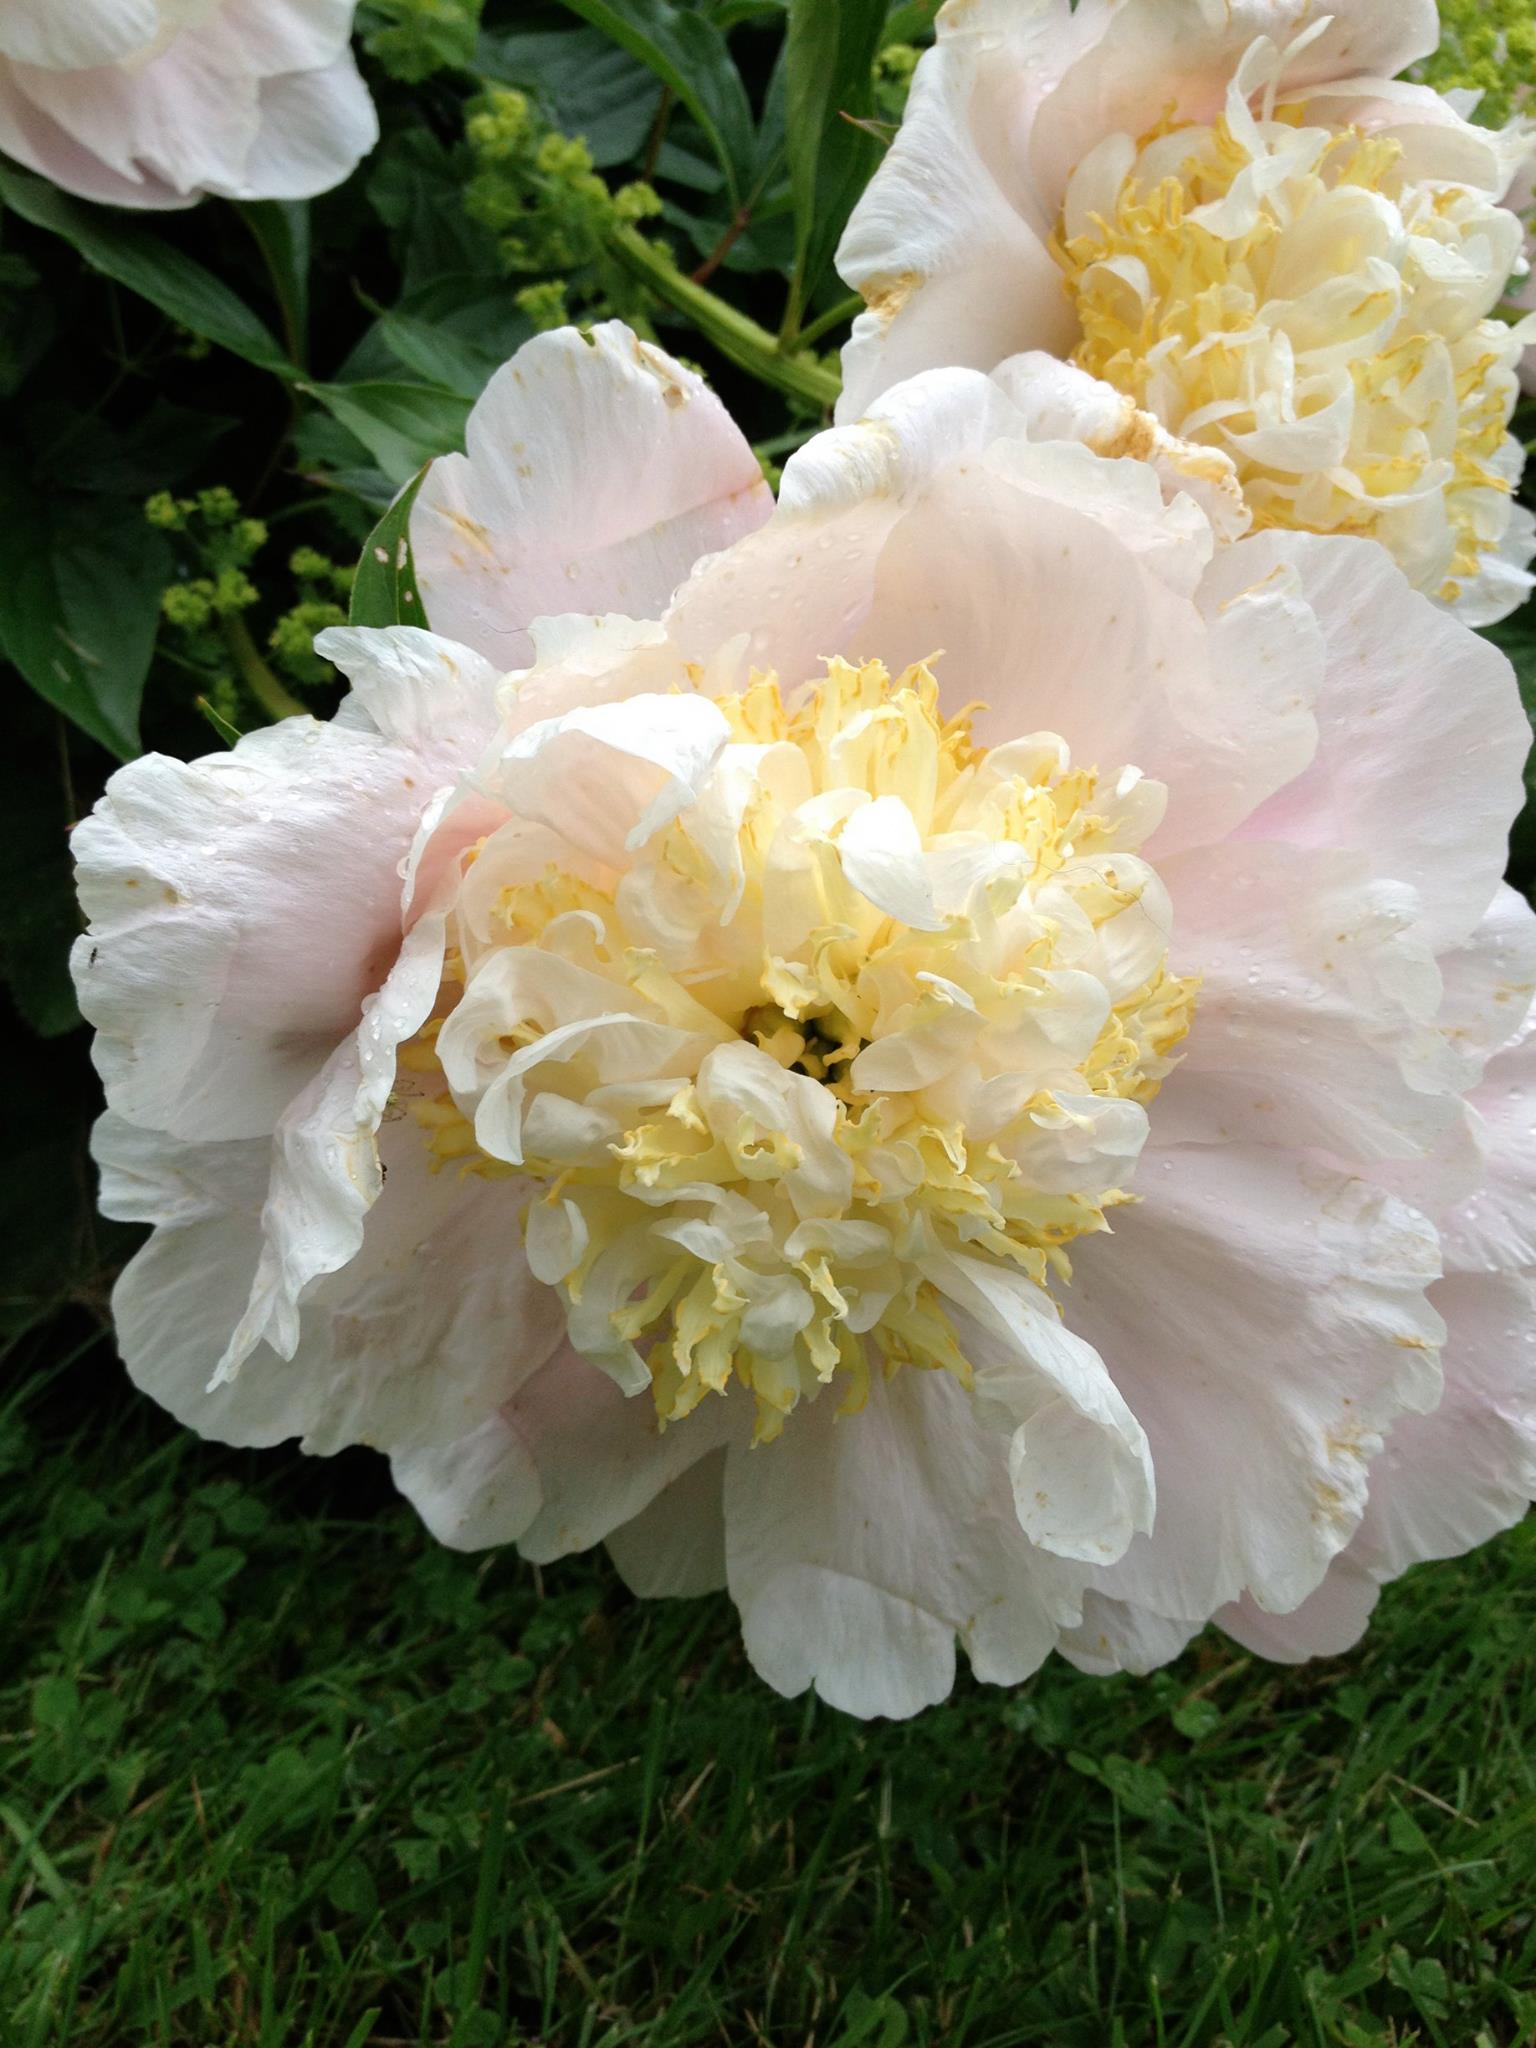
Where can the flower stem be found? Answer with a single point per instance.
(255, 674)
(747, 344)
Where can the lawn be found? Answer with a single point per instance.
(280, 1771)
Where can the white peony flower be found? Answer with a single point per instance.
(155, 102)
(1522, 296)
(914, 1075)
(1230, 211)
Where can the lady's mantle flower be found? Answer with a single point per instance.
(919, 1070)
(156, 102)
(1231, 212)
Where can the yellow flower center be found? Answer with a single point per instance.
(1291, 296)
(878, 992)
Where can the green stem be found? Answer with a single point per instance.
(749, 346)
(256, 676)
(833, 317)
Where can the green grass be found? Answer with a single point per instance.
(275, 1770)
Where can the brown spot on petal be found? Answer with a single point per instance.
(885, 297)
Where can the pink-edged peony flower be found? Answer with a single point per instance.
(1232, 212)
(919, 1071)
(154, 103)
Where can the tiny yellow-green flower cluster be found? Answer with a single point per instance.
(422, 37)
(552, 213)
(1488, 47)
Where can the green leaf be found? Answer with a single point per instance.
(587, 85)
(690, 56)
(38, 914)
(281, 229)
(385, 592)
(1516, 637)
(912, 22)
(442, 358)
(401, 425)
(829, 57)
(150, 266)
(80, 605)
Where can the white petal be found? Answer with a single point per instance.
(1450, 1480)
(78, 35)
(675, 1548)
(435, 1321)
(1411, 703)
(260, 99)
(315, 129)
(476, 1493)
(1265, 1320)
(598, 472)
(859, 1548)
(1115, 1636)
(610, 777)
(601, 1456)
(1183, 53)
(881, 851)
(326, 1170)
(1317, 1021)
(1077, 1460)
(944, 244)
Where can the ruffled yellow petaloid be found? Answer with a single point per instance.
(1291, 296)
(870, 1092)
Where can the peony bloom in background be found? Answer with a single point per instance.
(156, 102)
(1232, 212)
(1522, 199)
(924, 1055)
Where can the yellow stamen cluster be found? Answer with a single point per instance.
(1292, 297)
(842, 1097)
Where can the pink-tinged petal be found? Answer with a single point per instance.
(1444, 1483)
(432, 1324)
(243, 906)
(1452, 1479)
(675, 1548)
(1495, 1231)
(1326, 1624)
(601, 1456)
(327, 1172)
(1318, 1022)
(946, 244)
(35, 139)
(859, 1547)
(1203, 705)
(1184, 52)
(181, 120)
(1266, 1321)
(1412, 701)
(882, 525)
(598, 471)
(1059, 402)
(1490, 980)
